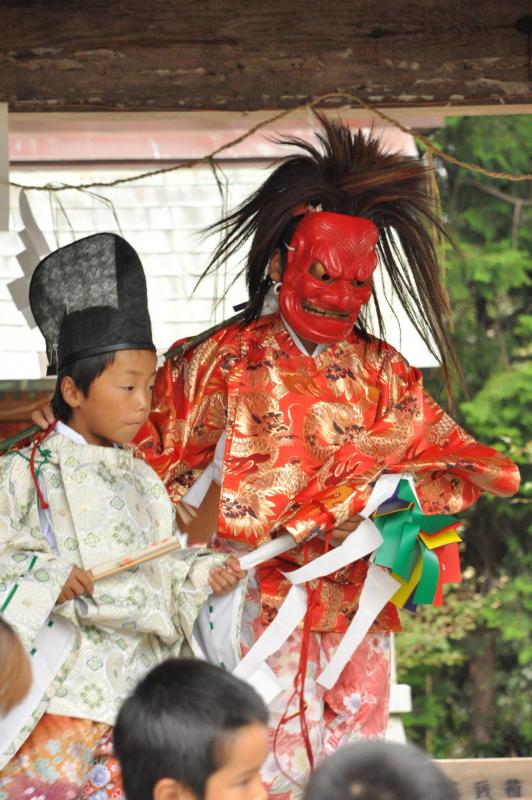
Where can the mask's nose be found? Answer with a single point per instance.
(340, 296)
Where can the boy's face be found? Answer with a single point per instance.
(239, 777)
(118, 401)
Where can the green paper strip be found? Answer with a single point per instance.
(407, 554)
(432, 523)
(401, 543)
(405, 492)
(387, 552)
(430, 575)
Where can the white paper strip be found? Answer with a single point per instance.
(194, 496)
(32, 236)
(267, 551)
(384, 489)
(35, 248)
(364, 540)
(378, 588)
(215, 635)
(265, 682)
(288, 618)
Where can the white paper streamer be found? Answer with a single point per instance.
(378, 588)
(265, 682)
(287, 619)
(363, 541)
(267, 551)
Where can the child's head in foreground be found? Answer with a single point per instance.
(379, 771)
(89, 300)
(192, 731)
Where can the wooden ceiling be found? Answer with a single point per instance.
(227, 55)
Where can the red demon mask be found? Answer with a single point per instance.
(327, 279)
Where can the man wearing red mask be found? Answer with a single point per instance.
(290, 418)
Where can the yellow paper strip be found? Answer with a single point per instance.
(433, 540)
(402, 594)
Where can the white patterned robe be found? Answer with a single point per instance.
(103, 504)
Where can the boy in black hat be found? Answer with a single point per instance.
(72, 501)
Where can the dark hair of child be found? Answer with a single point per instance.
(178, 724)
(379, 771)
(83, 372)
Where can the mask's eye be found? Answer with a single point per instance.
(318, 271)
(358, 284)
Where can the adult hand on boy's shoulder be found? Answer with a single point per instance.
(43, 417)
(78, 582)
(224, 579)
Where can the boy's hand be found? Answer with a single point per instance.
(78, 582)
(43, 417)
(224, 579)
(341, 533)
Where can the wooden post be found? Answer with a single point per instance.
(4, 169)
(400, 702)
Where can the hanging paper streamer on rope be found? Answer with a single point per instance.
(421, 550)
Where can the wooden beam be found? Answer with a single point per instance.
(106, 55)
(490, 778)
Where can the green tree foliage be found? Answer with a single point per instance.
(470, 663)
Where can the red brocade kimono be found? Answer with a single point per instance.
(306, 439)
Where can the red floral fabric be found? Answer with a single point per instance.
(64, 758)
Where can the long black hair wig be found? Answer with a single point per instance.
(349, 172)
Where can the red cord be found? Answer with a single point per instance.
(285, 718)
(301, 674)
(39, 439)
(299, 681)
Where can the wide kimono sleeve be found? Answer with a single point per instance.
(189, 412)
(413, 435)
(31, 575)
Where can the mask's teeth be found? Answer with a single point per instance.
(315, 310)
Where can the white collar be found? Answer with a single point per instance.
(74, 436)
(319, 348)
(70, 433)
